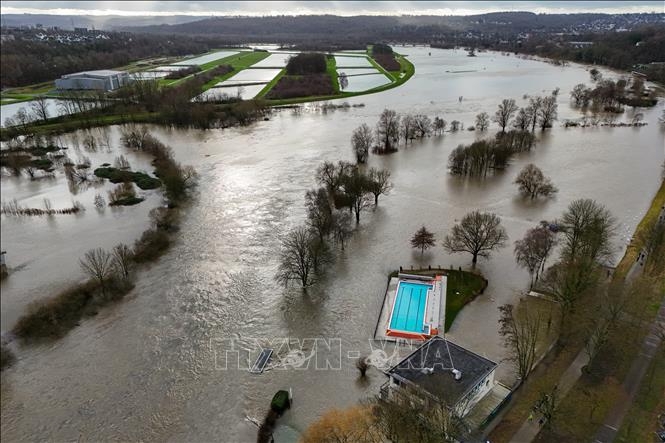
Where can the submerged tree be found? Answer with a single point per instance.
(482, 121)
(296, 259)
(422, 239)
(122, 259)
(479, 233)
(378, 183)
(319, 212)
(98, 264)
(387, 131)
(548, 112)
(533, 183)
(506, 110)
(362, 140)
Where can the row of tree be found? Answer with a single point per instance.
(345, 191)
(610, 95)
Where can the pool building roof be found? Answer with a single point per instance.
(430, 368)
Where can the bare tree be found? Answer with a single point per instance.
(122, 259)
(439, 125)
(319, 212)
(522, 119)
(39, 108)
(296, 260)
(548, 112)
(533, 183)
(588, 230)
(532, 251)
(422, 239)
(362, 140)
(479, 233)
(482, 121)
(331, 174)
(357, 191)
(580, 95)
(535, 103)
(455, 125)
(342, 228)
(423, 125)
(520, 331)
(98, 264)
(378, 183)
(407, 128)
(387, 131)
(597, 337)
(506, 110)
(568, 281)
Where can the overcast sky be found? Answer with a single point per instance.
(205, 8)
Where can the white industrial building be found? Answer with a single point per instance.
(102, 80)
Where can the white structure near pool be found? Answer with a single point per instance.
(414, 308)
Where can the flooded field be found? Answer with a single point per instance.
(352, 62)
(50, 246)
(202, 60)
(156, 366)
(12, 109)
(251, 76)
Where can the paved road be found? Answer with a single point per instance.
(530, 429)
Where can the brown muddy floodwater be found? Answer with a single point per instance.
(152, 367)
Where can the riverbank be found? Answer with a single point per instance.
(581, 411)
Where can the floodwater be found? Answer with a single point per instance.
(351, 61)
(251, 76)
(358, 83)
(245, 92)
(10, 110)
(153, 366)
(43, 251)
(202, 60)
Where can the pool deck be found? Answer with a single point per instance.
(434, 311)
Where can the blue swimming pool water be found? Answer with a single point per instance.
(409, 309)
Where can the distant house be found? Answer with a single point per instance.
(102, 80)
(445, 373)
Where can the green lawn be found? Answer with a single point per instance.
(238, 62)
(331, 70)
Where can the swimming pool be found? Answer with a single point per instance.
(409, 308)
